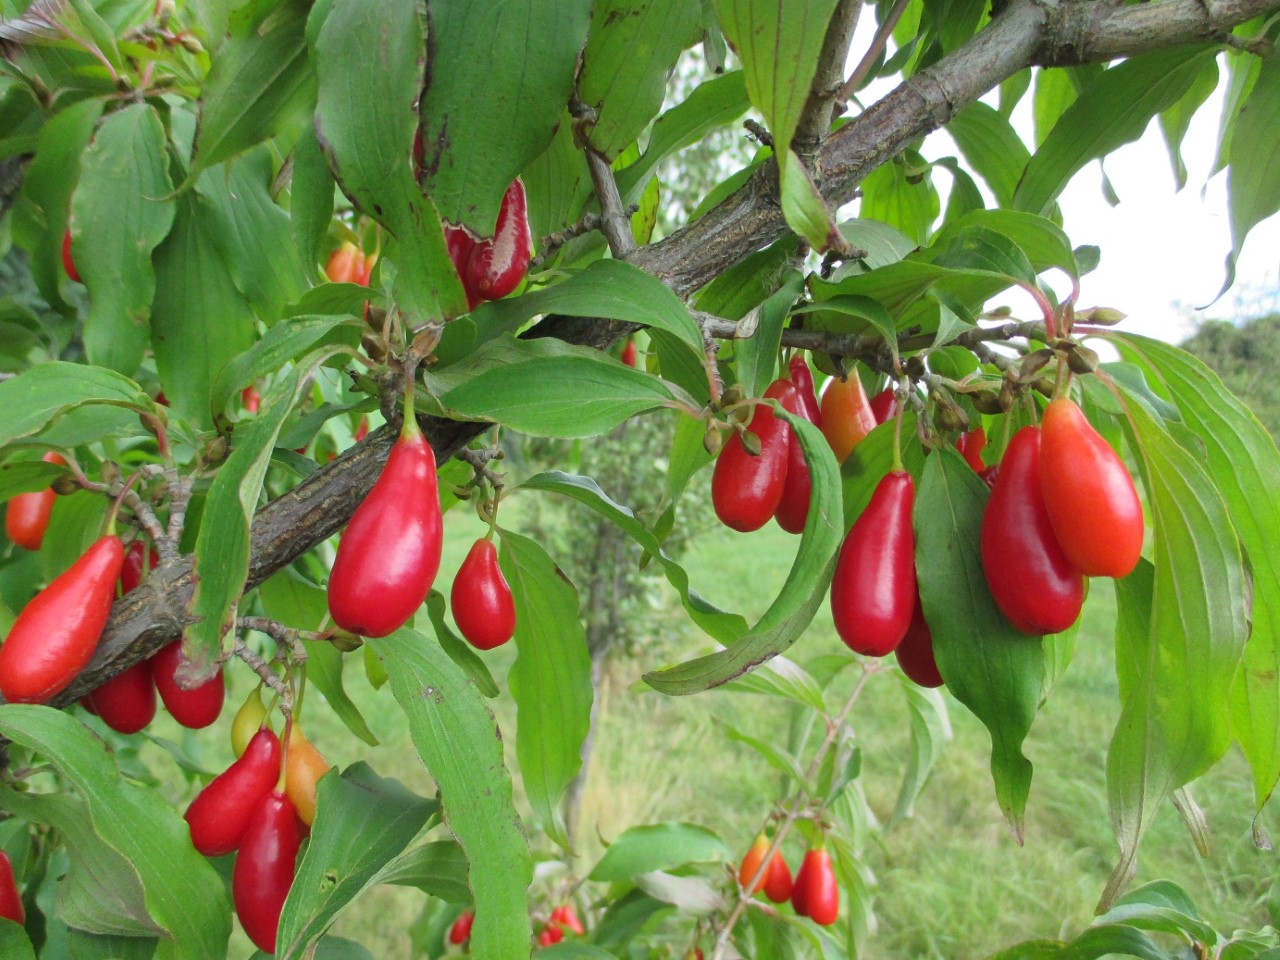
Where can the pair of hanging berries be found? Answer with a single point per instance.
(766, 476)
(814, 892)
(774, 880)
(246, 809)
(491, 269)
(127, 702)
(1063, 507)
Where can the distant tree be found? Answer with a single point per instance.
(1244, 356)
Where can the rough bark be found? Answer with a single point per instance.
(1027, 32)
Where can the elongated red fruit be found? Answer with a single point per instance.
(884, 405)
(970, 445)
(195, 708)
(750, 865)
(746, 490)
(264, 868)
(460, 245)
(67, 263)
(222, 812)
(815, 894)
(55, 635)
(461, 929)
(629, 353)
(798, 486)
(777, 880)
(915, 652)
(27, 516)
(846, 415)
(802, 377)
(10, 896)
(390, 552)
(127, 702)
(135, 558)
(874, 589)
(1033, 583)
(481, 600)
(1092, 503)
(497, 266)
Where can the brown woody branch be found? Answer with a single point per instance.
(1028, 32)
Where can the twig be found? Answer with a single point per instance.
(266, 674)
(150, 522)
(878, 43)
(815, 122)
(615, 224)
(793, 812)
(478, 460)
(554, 241)
(288, 637)
(758, 131)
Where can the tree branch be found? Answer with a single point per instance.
(1028, 32)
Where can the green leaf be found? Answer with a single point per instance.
(253, 234)
(777, 757)
(438, 868)
(990, 667)
(1165, 907)
(1180, 635)
(13, 941)
(222, 548)
(806, 211)
(1175, 121)
(725, 627)
(1243, 462)
(547, 388)
(877, 319)
(658, 846)
(1056, 90)
(632, 47)
(992, 148)
(1253, 174)
(568, 950)
(781, 677)
(74, 524)
(310, 200)
(365, 123)
(607, 288)
(459, 742)
(550, 680)
(1114, 110)
(779, 43)
(801, 594)
(184, 896)
(881, 243)
(363, 822)
(88, 946)
(261, 82)
(288, 598)
(49, 181)
(756, 356)
(118, 217)
(891, 198)
(199, 320)
(42, 394)
(499, 76)
(1039, 240)
(930, 731)
(459, 651)
(27, 476)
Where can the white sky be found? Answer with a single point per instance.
(1163, 253)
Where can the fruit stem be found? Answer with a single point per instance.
(896, 466)
(409, 429)
(109, 527)
(284, 751)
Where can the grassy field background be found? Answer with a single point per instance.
(952, 883)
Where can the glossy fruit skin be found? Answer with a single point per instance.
(846, 415)
(1033, 583)
(134, 559)
(746, 490)
(970, 445)
(629, 353)
(27, 516)
(915, 652)
(481, 600)
(389, 554)
(777, 880)
(303, 768)
(67, 263)
(816, 894)
(496, 266)
(751, 863)
(364, 269)
(873, 591)
(127, 702)
(1093, 506)
(344, 264)
(802, 377)
(884, 405)
(195, 709)
(222, 812)
(55, 635)
(550, 935)
(988, 476)
(568, 917)
(460, 245)
(10, 896)
(461, 929)
(265, 867)
(251, 717)
(798, 486)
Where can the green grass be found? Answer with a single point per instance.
(952, 883)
